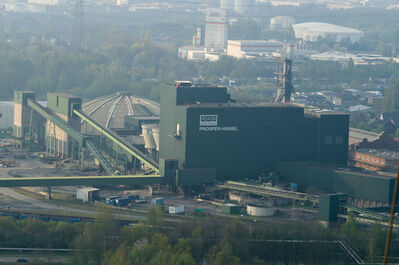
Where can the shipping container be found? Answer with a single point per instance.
(87, 194)
(176, 209)
(230, 209)
(122, 201)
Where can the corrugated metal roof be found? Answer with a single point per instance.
(111, 110)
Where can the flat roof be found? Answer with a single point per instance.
(324, 27)
(243, 105)
(145, 117)
(343, 168)
(382, 153)
(65, 95)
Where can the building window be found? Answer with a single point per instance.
(328, 140)
(339, 140)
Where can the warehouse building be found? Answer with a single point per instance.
(311, 31)
(254, 48)
(204, 135)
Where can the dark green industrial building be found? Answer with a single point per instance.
(203, 135)
(366, 188)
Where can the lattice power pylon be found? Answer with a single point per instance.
(78, 24)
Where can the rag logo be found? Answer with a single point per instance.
(208, 120)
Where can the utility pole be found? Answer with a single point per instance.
(391, 219)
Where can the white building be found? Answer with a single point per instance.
(122, 2)
(253, 48)
(198, 53)
(6, 114)
(313, 30)
(227, 4)
(281, 22)
(191, 52)
(44, 2)
(243, 7)
(294, 3)
(344, 58)
(215, 28)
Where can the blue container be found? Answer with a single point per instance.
(294, 187)
(157, 201)
(111, 200)
(122, 201)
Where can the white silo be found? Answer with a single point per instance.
(260, 210)
(148, 137)
(155, 134)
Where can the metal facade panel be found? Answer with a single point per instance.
(63, 104)
(334, 135)
(195, 176)
(171, 145)
(244, 141)
(193, 95)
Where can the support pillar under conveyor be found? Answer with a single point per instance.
(49, 193)
(64, 117)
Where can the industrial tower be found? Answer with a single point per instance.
(283, 81)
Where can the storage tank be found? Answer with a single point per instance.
(148, 136)
(260, 210)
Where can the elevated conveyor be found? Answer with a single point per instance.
(101, 159)
(57, 121)
(81, 180)
(268, 191)
(119, 141)
(366, 212)
(77, 136)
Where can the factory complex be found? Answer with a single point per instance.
(197, 138)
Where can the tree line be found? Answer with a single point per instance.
(204, 240)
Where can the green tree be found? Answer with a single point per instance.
(222, 254)
(155, 216)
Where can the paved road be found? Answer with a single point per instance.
(13, 258)
(22, 202)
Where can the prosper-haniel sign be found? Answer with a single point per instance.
(209, 123)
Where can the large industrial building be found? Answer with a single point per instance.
(254, 48)
(311, 31)
(205, 135)
(215, 28)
